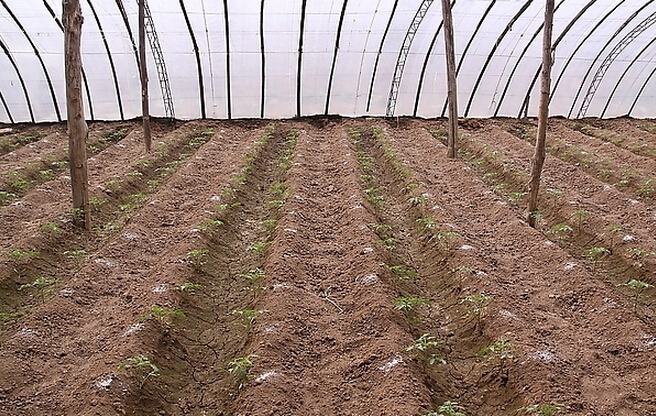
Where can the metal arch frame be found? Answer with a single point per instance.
(84, 74)
(608, 42)
(460, 61)
(201, 86)
(619, 80)
(580, 45)
(494, 48)
(20, 79)
(610, 58)
(525, 102)
(422, 74)
(124, 15)
(332, 66)
(380, 51)
(642, 89)
(519, 60)
(403, 55)
(38, 56)
(263, 61)
(111, 60)
(227, 41)
(6, 107)
(300, 59)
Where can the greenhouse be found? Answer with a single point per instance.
(327, 207)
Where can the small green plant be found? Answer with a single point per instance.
(516, 196)
(189, 287)
(639, 255)
(50, 228)
(276, 203)
(561, 231)
(638, 287)
(427, 223)
(536, 216)
(240, 368)
(153, 183)
(6, 197)
(579, 217)
(410, 306)
(647, 190)
(374, 197)
(418, 200)
(476, 306)
(164, 316)
(248, 316)
(389, 244)
(270, 224)
(142, 367)
(449, 408)
(17, 182)
(210, 224)
(258, 247)
(20, 255)
(558, 193)
(499, 349)
(128, 206)
(198, 257)
(42, 285)
(410, 187)
(445, 239)
(402, 271)
(596, 254)
(380, 229)
(426, 343)
(46, 173)
(613, 230)
(76, 255)
(254, 275)
(95, 202)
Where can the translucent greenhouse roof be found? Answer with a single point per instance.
(286, 58)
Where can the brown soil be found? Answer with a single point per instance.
(330, 266)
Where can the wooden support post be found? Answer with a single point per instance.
(537, 161)
(77, 126)
(449, 49)
(143, 69)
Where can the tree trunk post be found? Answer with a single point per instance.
(143, 69)
(449, 49)
(77, 126)
(537, 161)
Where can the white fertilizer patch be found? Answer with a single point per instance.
(632, 201)
(649, 340)
(367, 250)
(130, 236)
(544, 355)
(628, 238)
(507, 314)
(104, 383)
(279, 286)
(388, 366)
(215, 198)
(134, 328)
(466, 247)
(263, 377)
(66, 292)
(291, 230)
(369, 279)
(569, 266)
(159, 288)
(105, 262)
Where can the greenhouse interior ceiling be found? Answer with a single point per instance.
(289, 58)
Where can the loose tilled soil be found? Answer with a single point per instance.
(330, 266)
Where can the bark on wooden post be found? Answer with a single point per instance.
(143, 69)
(77, 126)
(449, 49)
(543, 115)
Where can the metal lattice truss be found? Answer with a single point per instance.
(610, 58)
(403, 56)
(158, 56)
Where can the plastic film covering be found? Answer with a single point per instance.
(287, 58)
